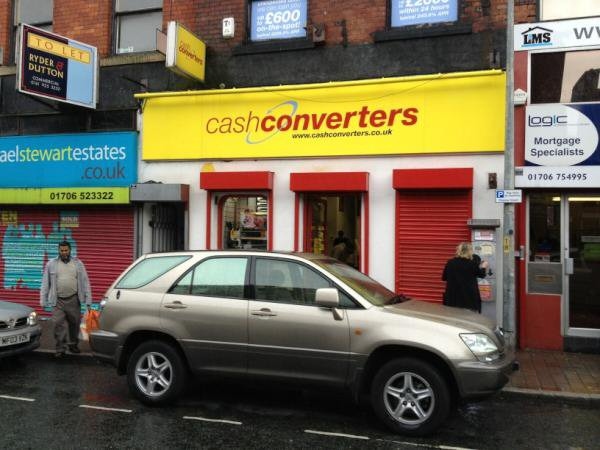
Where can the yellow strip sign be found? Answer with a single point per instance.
(78, 196)
(57, 48)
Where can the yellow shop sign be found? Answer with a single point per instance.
(186, 53)
(460, 112)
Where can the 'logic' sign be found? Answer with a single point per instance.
(54, 67)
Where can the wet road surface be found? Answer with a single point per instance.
(76, 402)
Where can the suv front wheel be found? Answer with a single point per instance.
(156, 373)
(410, 396)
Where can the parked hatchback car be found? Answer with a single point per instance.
(19, 330)
(298, 318)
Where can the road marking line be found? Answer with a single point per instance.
(414, 444)
(326, 433)
(102, 408)
(23, 399)
(204, 419)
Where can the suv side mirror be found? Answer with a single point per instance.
(327, 297)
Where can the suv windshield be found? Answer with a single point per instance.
(370, 289)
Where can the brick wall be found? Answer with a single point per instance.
(5, 29)
(85, 21)
(346, 22)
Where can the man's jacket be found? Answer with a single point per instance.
(48, 294)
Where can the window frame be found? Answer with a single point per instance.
(390, 9)
(422, 30)
(16, 24)
(116, 29)
(249, 19)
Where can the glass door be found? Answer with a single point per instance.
(582, 266)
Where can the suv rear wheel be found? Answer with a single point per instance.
(410, 396)
(156, 373)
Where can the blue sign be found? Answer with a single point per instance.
(278, 19)
(69, 160)
(418, 12)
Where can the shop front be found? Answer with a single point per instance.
(557, 158)
(323, 168)
(65, 187)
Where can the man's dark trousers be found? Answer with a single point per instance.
(67, 309)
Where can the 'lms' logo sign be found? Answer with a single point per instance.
(537, 37)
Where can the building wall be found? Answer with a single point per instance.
(381, 194)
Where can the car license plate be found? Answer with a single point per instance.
(13, 340)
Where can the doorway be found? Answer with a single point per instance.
(582, 265)
(332, 226)
(564, 257)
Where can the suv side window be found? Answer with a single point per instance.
(148, 270)
(290, 282)
(215, 277)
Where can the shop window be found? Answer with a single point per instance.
(245, 222)
(333, 226)
(422, 12)
(136, 22)
(555, 9)
(565, 76)
(544, 227)
(277, 19)
(37, 13)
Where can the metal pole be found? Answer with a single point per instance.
(508, 241)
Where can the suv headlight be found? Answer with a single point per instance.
(32, 319)
(482, 346)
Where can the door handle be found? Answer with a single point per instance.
(569, 266)
(263, 312)
(175, 305)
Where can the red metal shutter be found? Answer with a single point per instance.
(102, 237)
(429, 225)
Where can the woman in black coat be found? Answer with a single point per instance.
(460, 275)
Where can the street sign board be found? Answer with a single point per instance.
(509, 195)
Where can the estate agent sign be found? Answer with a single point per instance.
(57, 68)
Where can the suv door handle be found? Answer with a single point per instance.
(264, 312)
(175, 305)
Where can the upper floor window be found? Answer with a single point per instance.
(556, 9)
(420, 12)
(37, 13)
(34, 12)
(277, 19)
(136, 25)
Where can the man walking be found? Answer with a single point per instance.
(65, 286)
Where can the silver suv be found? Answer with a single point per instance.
(300, 318)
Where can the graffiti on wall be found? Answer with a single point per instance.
(25, 249)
